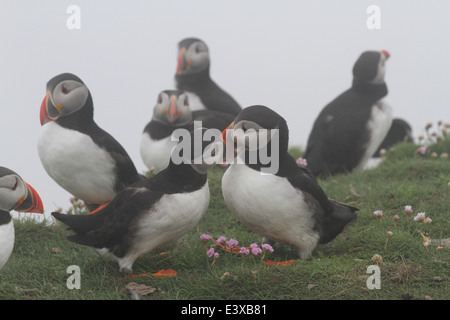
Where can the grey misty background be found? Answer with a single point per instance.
(292, 56)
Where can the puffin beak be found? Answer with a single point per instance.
(386, 54)
(223, 135)
(48, 108)
(173, 109)
(181, 62)
(31, 202)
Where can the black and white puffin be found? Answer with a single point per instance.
(287, 205)
(193, 76)
(349, 130)
(81, 157)
(172, 111)
(151, 213)
(15, 194)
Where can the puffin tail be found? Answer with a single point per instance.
(333, 225)
(80, 224)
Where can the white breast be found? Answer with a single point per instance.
(195, 103)
(379, 124)
(270, 206)
(172, 217)
(6, 242)
(77, 164)
(156, 153)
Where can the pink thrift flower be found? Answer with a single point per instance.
(254, 245)
(205, 237)
(256, 251)
(390, 233)
(422, 150)
(302, 162)
(221, 239)
(267, 247)
(232, 243)
(216, 255)
(210, 252)
(420, 217)
(396, 218)
(378, 214)
(244, 250)
(408, 209)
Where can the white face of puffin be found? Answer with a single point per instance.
(172, 108)
(17, 195)
(250, 135)
(68, 97)
(193, 59)
(12, 192)
(381, 70)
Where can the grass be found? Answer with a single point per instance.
(37, 269)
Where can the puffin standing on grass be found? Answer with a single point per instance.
(350, 128)
(80, 156)
(15, 194)
(277, 199)
(193, 76)
(151, 213)
(171, 112)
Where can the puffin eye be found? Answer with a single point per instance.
(14, 187)
(186, 102)
(64, 89)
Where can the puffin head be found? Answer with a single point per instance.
(371, 67)
(255, 127)
(261, 137)
(66, 94)
(193, 56)
(172, 108)
(16, 194)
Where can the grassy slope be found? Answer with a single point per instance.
(37, 268)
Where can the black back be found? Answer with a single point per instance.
(211, 95)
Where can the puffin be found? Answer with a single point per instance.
(286, 203)
(152, 213)
(349, 129)
(171, 112)
(15, 194)
(193, 76)
(76, 153)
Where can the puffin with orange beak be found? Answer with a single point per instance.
(15, 194)
(193, 77)
(77, 154)
(282, 203)
(171, 112)
(349, 130)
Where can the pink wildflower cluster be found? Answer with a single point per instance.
(302, 162)
(420, 217)
(231, 244)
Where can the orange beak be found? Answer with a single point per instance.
(44, 114)
(180, 62)
(36, 202)
(223, 135)
(386, 53)
(173, 109)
